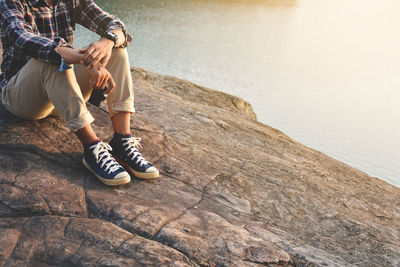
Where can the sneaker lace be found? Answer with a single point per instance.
(103, 156)
(130, 145)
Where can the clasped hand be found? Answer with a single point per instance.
(95, 58)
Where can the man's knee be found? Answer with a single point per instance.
(36, 71)
(37, 65)
(119, 54)
(118, 65)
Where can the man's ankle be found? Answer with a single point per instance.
(116, 142)
(86, 146)
(86, 135)
(120, 135)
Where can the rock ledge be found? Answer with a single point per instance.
(232, 192)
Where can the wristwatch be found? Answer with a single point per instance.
(111, 36)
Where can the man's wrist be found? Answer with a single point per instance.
(70, 55)
(112, 36)
(121, 38)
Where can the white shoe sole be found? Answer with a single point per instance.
(140, 175)
(113, 182)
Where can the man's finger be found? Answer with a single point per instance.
(105, 60)
(98, 81)
(84, 49)
(89, 50)
(93, 56)
(97, 78)
(103, 85)
(111, 85)
(96, 60)
(88, 53)
(103, 80)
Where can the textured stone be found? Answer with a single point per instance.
(214, 241)
(8, 241)
(152, 253)
(61, 196)
(95, 257)
(89, 230)
(195, 93)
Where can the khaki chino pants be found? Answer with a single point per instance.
(37, 89)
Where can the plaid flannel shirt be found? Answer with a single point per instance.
(32, 29)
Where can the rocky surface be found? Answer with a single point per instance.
(232, 192)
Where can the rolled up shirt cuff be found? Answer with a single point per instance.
(63, 66)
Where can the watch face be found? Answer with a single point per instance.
(112, 36)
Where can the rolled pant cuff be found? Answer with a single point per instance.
(121, 107)
(80, 122)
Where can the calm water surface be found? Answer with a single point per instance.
(324, 72)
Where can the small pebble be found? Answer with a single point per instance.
(187, 230)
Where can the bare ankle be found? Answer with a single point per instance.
(86, 135)
(121, 123)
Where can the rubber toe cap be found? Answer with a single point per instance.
(152, 170)
(122, 175)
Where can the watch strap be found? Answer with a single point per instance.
(112, 37)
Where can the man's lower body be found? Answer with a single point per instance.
(37, 90)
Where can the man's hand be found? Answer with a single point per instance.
(100, 77)
(97, 53)
(70, 55)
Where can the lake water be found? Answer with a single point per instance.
(325, 72)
